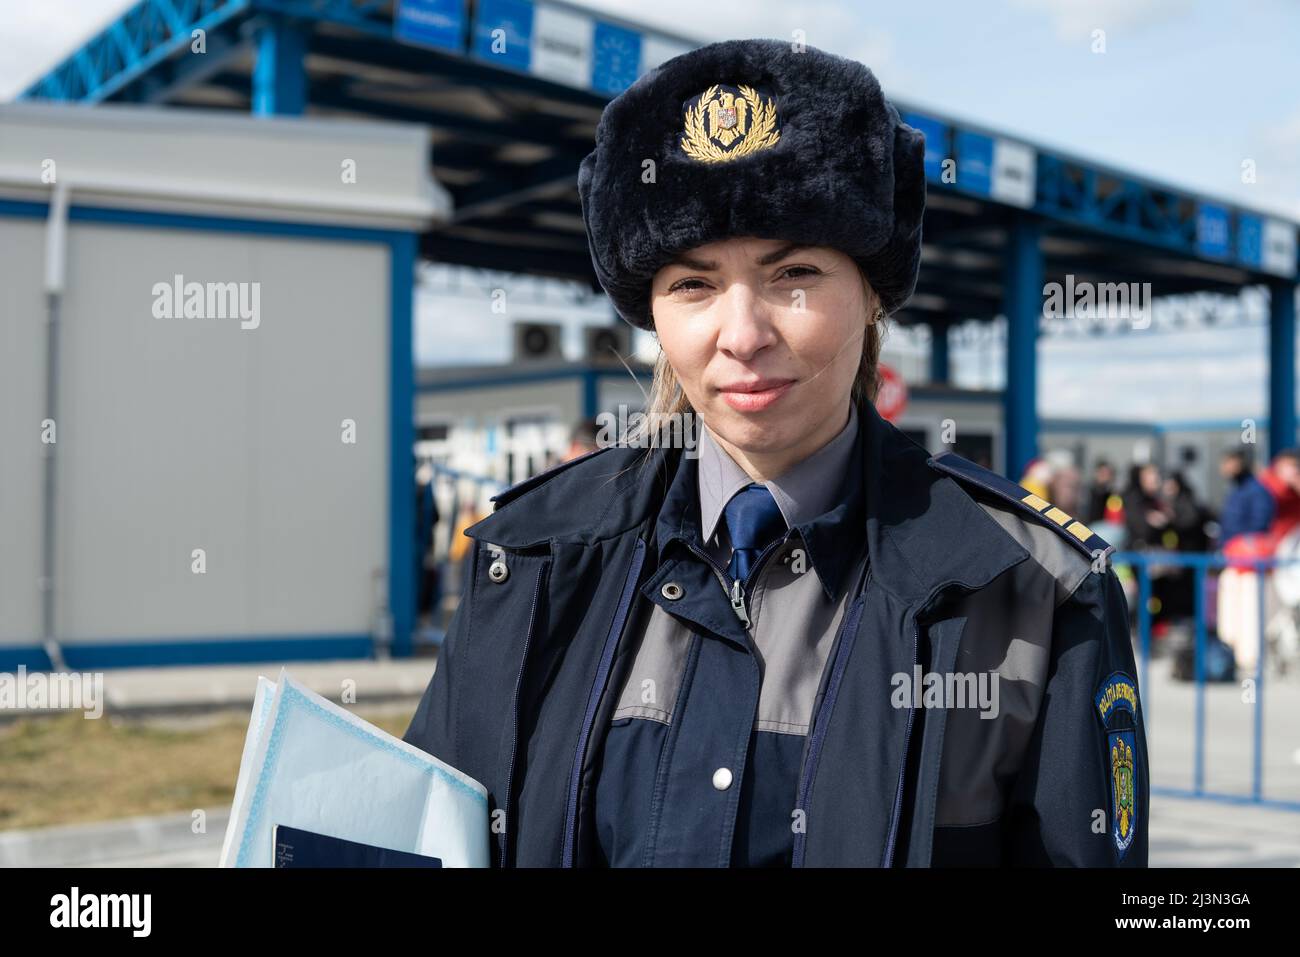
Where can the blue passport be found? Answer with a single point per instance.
(295, 847)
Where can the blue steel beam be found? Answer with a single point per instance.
(280, 75)
(1281, 364)
(365, 16)
(1023, 289)
(141, 39)
(939, 363)
(1082, 194)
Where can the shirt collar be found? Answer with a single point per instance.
(804, 491)
(821, 499)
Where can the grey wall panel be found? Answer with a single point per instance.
(185, 433)
(22, 399)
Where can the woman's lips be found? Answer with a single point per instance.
(755, 397)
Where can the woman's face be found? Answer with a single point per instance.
(765, 338)
(1150, 479)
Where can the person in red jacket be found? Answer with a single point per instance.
(1282, 479)
(1238, 603)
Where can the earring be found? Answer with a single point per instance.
(878, 315)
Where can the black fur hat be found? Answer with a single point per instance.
(752, 138)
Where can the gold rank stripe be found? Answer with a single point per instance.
(1076, 528)
(1034, 502)
(1080, 531)
(1056, 515)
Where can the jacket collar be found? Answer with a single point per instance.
(923, 530)
(822, 530)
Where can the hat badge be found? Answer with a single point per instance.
(725, 123)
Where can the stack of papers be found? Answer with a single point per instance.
(313, 765)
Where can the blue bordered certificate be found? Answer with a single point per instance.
(309, 763)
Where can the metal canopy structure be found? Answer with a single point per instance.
(513, 90)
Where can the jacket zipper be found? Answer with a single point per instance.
(593, 700)
(602, 674)
(907, 741)
(523, 659)
(848, 626)
(911, 714)
(737, 591)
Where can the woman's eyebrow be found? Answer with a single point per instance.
(705, 265)
(684, 259)
(778, 255)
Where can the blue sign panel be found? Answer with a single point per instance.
(1250, 240)
(1212, 230)
(936, 142)
(503, 32)
(615, 58)
(974, 162)
(431, 23)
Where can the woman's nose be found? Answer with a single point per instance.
(745, 324)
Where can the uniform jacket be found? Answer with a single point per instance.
(967, 574)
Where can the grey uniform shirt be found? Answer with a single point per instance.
(701, 763)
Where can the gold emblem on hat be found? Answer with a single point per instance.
(723, 126)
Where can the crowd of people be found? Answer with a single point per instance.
(1152, 510)
(1156, 510)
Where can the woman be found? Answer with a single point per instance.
(803, 641)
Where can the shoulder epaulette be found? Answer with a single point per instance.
(1068, 527)
(519, 488)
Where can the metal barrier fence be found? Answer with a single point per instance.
(1141, 564)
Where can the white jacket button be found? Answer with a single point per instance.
(722, 778)
(498, 572)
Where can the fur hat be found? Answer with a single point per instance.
(752, 138)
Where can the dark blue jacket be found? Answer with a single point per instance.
(1248, 507)
(967, 573)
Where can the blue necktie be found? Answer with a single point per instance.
(754, 521)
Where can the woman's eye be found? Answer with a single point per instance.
(793, 272)
(682, 285)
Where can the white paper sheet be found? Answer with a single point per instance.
(312, 764)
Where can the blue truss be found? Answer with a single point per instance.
(142, 38)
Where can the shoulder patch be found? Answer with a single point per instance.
(519, 488)
(1118, 694)
(1071, 529)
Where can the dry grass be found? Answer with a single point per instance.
(66, 769)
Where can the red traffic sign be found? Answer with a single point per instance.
(891, 400)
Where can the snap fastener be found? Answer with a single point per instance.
(722, 778)
(498, 572)
(671, 590)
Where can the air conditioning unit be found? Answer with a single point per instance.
(538, 342)
(604, 344)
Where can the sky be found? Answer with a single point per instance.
(1184, 93)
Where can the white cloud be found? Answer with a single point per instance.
(826, 24)
(1279, 167)
(1078, 18)
(37, 35)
